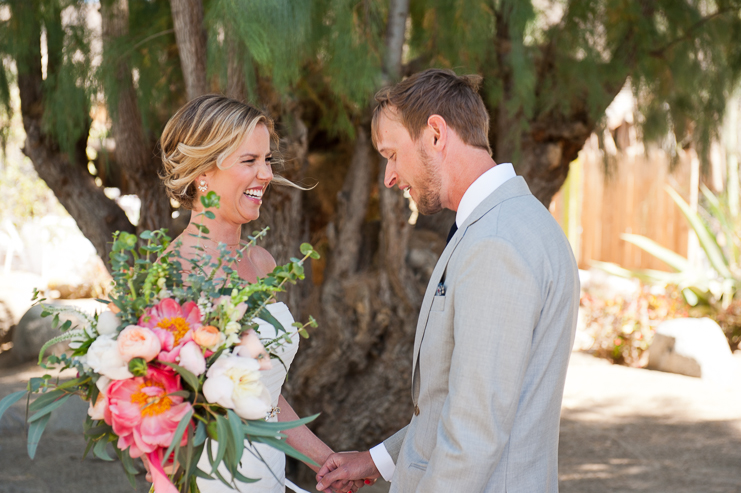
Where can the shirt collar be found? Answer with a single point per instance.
(482, 188)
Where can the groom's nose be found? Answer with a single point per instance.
(390, 178)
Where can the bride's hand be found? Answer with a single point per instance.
(341, 486)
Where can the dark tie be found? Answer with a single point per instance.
(453, 229)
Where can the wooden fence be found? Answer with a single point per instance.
(600, 202)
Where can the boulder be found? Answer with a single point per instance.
(33, 331)
(695, 347)
(607, 286)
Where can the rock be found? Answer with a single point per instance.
(695, 347)
(6, 324)
(33, 331)
(69, 417)
(607, 286)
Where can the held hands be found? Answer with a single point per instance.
(341, 471)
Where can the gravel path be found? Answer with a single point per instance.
(622, 430)
(628, 429)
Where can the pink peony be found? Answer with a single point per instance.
(173, 324)
(138, 342)
(144, 415)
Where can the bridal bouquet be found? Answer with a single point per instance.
(174, 364)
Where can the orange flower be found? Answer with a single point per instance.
(208, 336)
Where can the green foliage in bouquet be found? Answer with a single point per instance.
(164, 296)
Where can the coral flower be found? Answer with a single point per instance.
(144, 415)
(173, 324)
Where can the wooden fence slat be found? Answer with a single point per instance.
(631, 198)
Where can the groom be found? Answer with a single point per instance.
(497, 322)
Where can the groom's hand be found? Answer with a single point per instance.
(344, 466)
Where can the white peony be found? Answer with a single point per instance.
(108, 322)
(234, 382)
(97, 409)
(191, 358)
(103, 357)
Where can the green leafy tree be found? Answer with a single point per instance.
(550, 68)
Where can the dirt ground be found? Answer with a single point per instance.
(622, 430)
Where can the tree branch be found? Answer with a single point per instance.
(395, 31)
(687, 35)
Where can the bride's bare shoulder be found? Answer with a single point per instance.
(261, 258)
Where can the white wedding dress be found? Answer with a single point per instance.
(275, 460)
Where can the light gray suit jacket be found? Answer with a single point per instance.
(490, 355)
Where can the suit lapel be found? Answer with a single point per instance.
(424, 312)
(513, 187)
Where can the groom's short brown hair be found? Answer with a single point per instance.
(437, 92)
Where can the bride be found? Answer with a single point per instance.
(218, 144)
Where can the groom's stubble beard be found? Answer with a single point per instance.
(428, 188)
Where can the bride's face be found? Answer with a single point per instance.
(243, 180)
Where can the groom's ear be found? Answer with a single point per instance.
(439, 129)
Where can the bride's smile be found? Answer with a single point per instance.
(243, 177)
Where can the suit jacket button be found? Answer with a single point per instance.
(416, 410)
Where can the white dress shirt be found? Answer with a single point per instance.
(481, 188)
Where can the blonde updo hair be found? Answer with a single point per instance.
(200, 136)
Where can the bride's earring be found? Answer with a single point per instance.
(202, 186)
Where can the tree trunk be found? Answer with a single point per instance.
(134, 153)
(187, 17)
(234, 70)
(548, 150)
(96, 215)
(395, 31)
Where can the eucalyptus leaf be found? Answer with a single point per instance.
(203, 475)
(179, 431)
(49, 408)
(127, 461)
(100, 450)
(244, 479)
(221, 430)
(89, 446)
(128, 466)
(74, 382)
(35, 430)
(237, 433)
(265, 314)
(214, 464)
(98, 430)
(9, 400)
(251, 426)
(189, 377)
(200, 435)
(285, 448)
